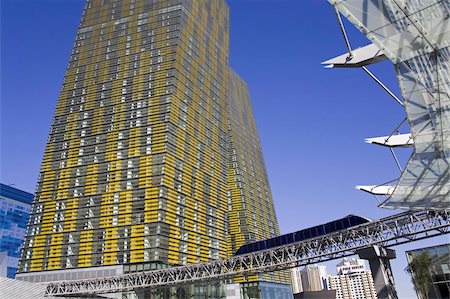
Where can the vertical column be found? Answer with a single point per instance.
(380, 266)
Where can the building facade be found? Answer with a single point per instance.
(15, 208)
(251, 213)
(440, 269)
(309, 279)
(296, 280)
(135, 169)
(250, 206)
(352, 281)
(312, 277)
(153, 158)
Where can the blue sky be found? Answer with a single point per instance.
(312, 121)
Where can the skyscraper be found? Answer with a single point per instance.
(15, 208)
(139, 167)
(135, 168)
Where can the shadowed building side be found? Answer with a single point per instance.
(251, 211)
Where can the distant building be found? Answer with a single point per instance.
(440, 269)
(350, 265)
(15, 208)
(353, 281)
(309, 280)
(312, 277)
(296, 280)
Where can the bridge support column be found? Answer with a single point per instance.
(380, 266)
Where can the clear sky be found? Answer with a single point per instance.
(312, 121)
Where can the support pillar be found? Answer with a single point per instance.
(380, 266)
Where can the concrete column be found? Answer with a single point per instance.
(380, 266)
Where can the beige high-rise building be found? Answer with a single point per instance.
(353, 281)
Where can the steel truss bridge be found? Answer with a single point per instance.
(386, 232)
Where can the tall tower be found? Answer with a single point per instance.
(134, 174)
(153, 158)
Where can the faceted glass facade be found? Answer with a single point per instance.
(440, 269)
(15, 208)
(153, 158)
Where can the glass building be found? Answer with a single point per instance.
(440, 269)
(15, 208)
(153, 158)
